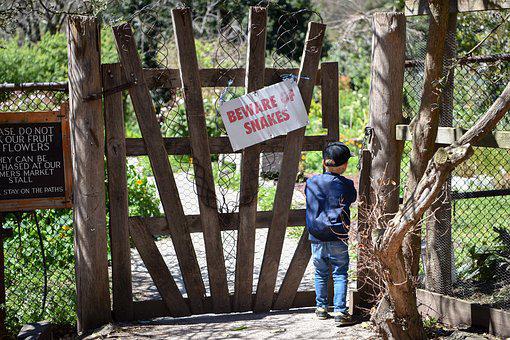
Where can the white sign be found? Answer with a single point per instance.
(264, 114)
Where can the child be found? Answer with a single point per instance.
(328, 198)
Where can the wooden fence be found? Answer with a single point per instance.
(129, 75)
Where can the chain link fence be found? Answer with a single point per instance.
(480, 187)
(39, 258)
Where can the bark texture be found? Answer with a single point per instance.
(397, 315)
(425, 125)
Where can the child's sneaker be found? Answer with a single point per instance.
(343, 319)
(321, 313)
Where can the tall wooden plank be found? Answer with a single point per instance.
(174, 213)
(250, 167)
(385, 104)
(329, 100)
(287, 179)
(365, 289)
(87, 149)
(122, 291)
(204, 180)
(294, 275)
(157, 268)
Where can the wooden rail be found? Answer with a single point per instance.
(421, 7)
(448, 135)
(158, 226)
(217, 145)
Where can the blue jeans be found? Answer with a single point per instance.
(336, 255)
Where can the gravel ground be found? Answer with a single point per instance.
(294, 324)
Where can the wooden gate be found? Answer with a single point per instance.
(130, 75)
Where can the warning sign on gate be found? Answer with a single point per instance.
(264, 114)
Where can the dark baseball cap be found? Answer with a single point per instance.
(337, 152)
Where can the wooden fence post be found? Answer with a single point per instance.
(117, 190)
(87, 145)
(385, 104)
(385, 110)
(255, 66)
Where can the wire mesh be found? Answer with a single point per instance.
(480, 187)
(39, 258)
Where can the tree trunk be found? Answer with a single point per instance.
(425, 125)
(397, 314)
(438, 252)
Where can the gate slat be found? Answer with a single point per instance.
(301, 257)
(290, 162)
(329, 99)
(174, 213)
(294, 275)
(117, 190)
(191, 85)
(157, 268)
(250, 163)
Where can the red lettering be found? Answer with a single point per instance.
(263, 122)
(270, 118)
(247, 128)
(273, 101)
(265, 104)
(279, 116)
(285, 115)
(255, 125)
(248, 110)
(257, 108)
(231, 116)
(239, 113)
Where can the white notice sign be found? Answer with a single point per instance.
(264, 114)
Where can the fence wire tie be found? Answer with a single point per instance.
(223, 94)
(292, 76)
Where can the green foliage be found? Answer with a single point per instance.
(486, 263)
(24, 273)
(143, 197)
(41, 62)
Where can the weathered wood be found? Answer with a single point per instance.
(285, 188)
(294, 275)
(385, 104)
(449, 135)
(329, 100)
(366, 291)
(421, 7)
(188, 65)
(3, 329)
(87, 130)
(174, 213)
(117, 192)
(218, 145)
(157, 269)
(158, 226)
(150, 309)
(255, 62)
(216, 77)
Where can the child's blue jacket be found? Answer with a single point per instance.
(328, 199)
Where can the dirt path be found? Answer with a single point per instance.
(295, 324)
